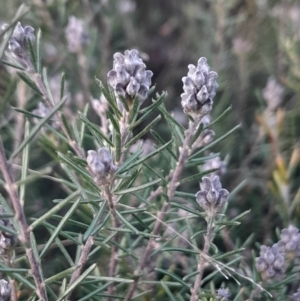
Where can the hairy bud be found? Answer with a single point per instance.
(199, 89)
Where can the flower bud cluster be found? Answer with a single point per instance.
(5, 290)
(129, 77)
(76, 34)
(199, 89)
(271, 262)
(290, 241)
(18, 42)
(222, 294)
(211, 197)
(7, 240)
(100, 162)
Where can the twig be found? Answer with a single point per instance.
(202, 261)
(184, 153)
(11, 188)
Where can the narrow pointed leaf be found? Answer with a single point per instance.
(94, 128)
(56, 208)
(208, 146)
(143, 132)
(29, 82)
(174, 277)
(37, 127)
(59, 227)
(71, 287)
(134, 189)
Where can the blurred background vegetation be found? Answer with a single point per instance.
(245, 41)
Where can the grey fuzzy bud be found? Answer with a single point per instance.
(211, 197)
(222, 294)
(100, 162)
(129, 77)
(271, 262)
(215, 163)
(290, 241)
(199, 88)
(18, 44)
(5, 290)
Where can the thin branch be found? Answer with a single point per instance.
(202, 261)
(11, 188)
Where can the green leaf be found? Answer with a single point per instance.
(82, 129)
(162, 142)
(95, 129)
(129, 161)
(134, 189)
(37, 127)
(134, 110)
(185, 251)
(176, 278)
(32, 54)
(208, 146)
(185, 208)
(8, 230)
(221, 117)
(127, 223)
(197, 134)
(149, 110)
(227, 223)
(14, 65)
(62, 85)
(95, 221)
(66, 125)
(25, 159)
(229, 253)
(60, 275)
(143, 132)
(38, 51)
(167, 290)
(56, 208)
(110, 100)
(29, 82)
(201, 161)
(197, 176)
(46, 82)
(59, 227)
(155, 152)
(71, 287)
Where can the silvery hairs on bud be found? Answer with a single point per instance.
(129, 77)
(100, 162)
(7, 240)
(5, 290)
(271, 263)
(18, 42)
(212, 196)
(199, 89)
